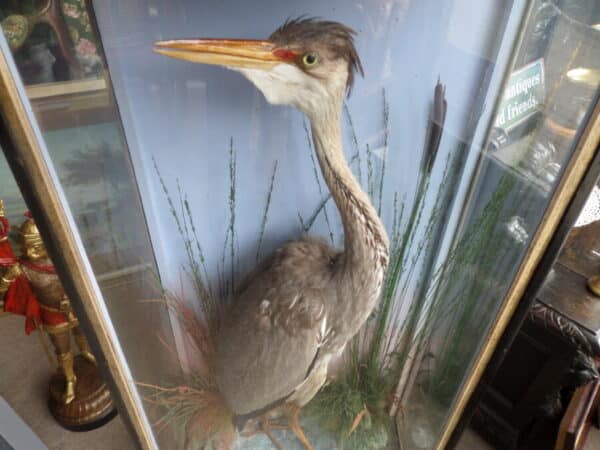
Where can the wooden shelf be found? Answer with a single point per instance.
(61, 88)
(72, 103)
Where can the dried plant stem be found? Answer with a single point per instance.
(232, 192)
(370, 176)
(178, 389)
(386, 143)
(192, 246)
(266, 211)
(354, 141)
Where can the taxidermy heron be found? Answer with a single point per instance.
(300, 306)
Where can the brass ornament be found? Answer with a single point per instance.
(92, 402)
(79, 398)
(30, 235)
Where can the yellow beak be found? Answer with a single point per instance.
(233, 53)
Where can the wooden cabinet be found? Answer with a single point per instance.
(552, 355)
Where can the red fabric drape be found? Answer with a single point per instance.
(19, 299)
(7, 257)
(41, 268)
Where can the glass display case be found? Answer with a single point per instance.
(432, 146)
(539, 389)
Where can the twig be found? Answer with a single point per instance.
(266, 211)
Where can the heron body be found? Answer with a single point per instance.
(302, 304)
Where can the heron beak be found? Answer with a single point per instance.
(231, 53)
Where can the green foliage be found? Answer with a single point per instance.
(353, 408)
(212, 298)
(185, 406)
(364, 391)
(196, 268)
(483, 247)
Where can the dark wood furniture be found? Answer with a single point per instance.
(552, 355)
(578, 418)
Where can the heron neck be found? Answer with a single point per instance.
(365, 240)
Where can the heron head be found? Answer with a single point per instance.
(307, 63)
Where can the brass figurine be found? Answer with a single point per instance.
(30, 286)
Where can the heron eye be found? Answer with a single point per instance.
(310, 59)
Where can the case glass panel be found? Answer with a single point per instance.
(556, 79)
(60, 63)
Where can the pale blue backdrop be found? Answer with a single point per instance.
(183, 116)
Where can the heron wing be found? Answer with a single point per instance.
(270, 339)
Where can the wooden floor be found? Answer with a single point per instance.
(24, 374)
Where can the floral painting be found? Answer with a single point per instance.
(84, 42)
(52, 40)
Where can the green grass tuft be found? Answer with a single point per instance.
(354, 402)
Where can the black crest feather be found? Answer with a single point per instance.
(338, 38)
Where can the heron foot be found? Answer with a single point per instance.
(266, 428)
(293, 413)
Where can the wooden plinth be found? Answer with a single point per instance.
(92, 406)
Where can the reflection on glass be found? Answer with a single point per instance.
(516, 227)
(590, 77)
(519, 172)
(57, 54)
(92, 164)
(14, 205)
(52, 40)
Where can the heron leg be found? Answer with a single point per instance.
(251, 428)
(266, 428)
(296, 427)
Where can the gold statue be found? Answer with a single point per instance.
(53, 311)
(30, 287)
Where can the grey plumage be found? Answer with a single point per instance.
(301, 305)
(272, 331)
(299, 308)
